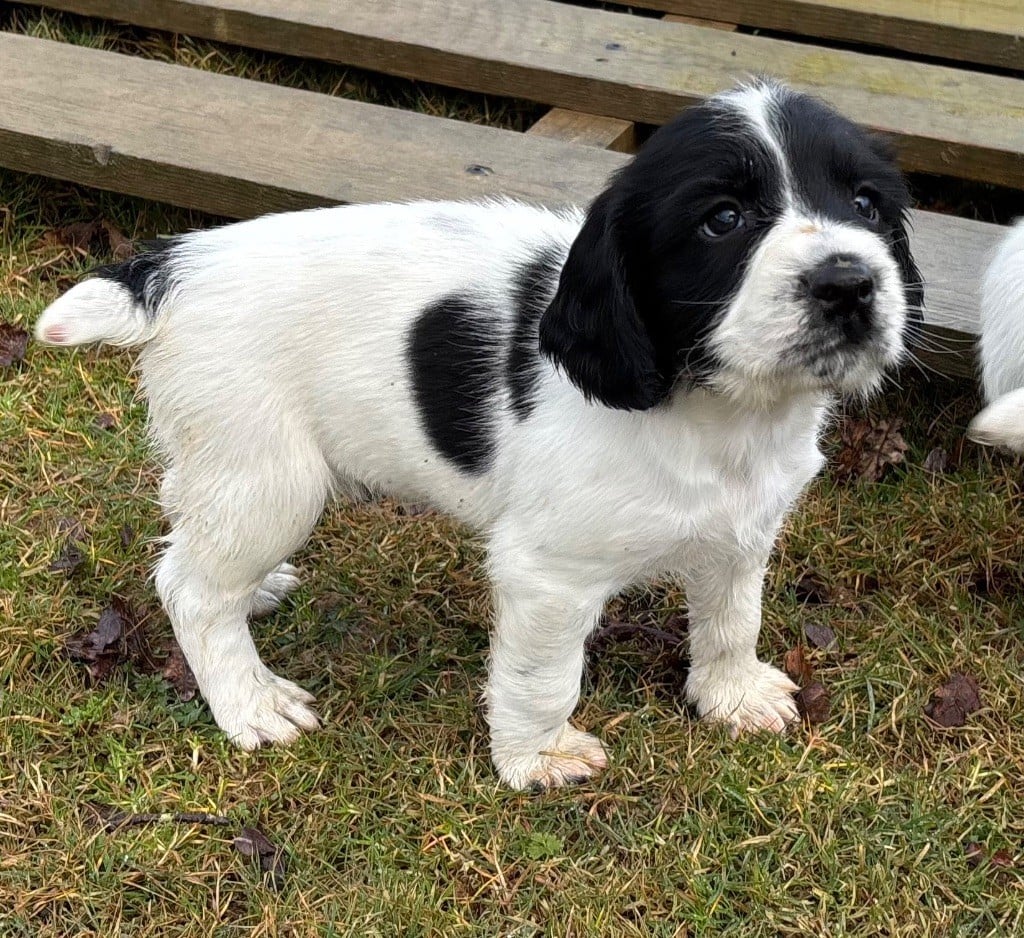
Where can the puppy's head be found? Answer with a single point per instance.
(756, 245)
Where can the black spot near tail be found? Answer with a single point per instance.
(146, 275)
(455, 351)
(533, 287)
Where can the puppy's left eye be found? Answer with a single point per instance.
(864, 205)
(722, 220)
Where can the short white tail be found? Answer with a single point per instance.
(97, 310)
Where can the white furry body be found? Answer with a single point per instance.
(277, 374)
(1002, 345)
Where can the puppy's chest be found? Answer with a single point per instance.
(715, 499)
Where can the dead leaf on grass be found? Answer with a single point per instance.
(121, 636)
(814, 702)
(99, 236)
(13, 344)
(977, 855)
(869, 448)
(255, 844)
(812, 589)
(796, 665)
(79, 235)
(820, 636)
(95, 238)
(101, 649)
(954, 701)
(71, 554)
(69, 559)
(1001, 858)
(120, 246)
(178, 674)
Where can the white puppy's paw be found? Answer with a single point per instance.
(263, 710)
(275, 587)
(1001, 423)
(570, 758)
(757, 697)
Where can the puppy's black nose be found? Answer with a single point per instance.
(842, 286)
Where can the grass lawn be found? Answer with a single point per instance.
(875, 822)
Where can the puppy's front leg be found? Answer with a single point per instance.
(726, 681)
(542, 620)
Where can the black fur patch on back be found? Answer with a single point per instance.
(455, 352)
(146, 275)
(533, 287)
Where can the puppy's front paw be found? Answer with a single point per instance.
(263, 710)
(570, 758)
(757, 697)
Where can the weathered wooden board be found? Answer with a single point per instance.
(591, 130)
(946, 120)
(989, 32)
(237, 147)
(241, 148)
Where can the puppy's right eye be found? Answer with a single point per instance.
(723, 219)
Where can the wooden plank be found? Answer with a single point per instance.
(989, 32)
(592, 130)
(242, 148)
(952, 254)
(945, 120)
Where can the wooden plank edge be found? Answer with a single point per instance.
(887, 30)
(592, 130)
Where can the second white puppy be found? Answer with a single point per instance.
(608, 397)
(1002, 346)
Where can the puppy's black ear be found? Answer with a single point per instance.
(913, 286)
(592, 330)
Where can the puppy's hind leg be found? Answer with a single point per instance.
(232, 526)
(276, 585)
(541, 623)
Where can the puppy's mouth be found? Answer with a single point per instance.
(850, 341)
(839, 363)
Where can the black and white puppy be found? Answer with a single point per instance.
(632, 392)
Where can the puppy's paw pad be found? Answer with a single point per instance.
(274, 588)
(269, 711)
(758, 698)
(572, 759)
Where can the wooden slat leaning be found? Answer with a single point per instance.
(946, 120)
(988, 32)
(237, 147)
